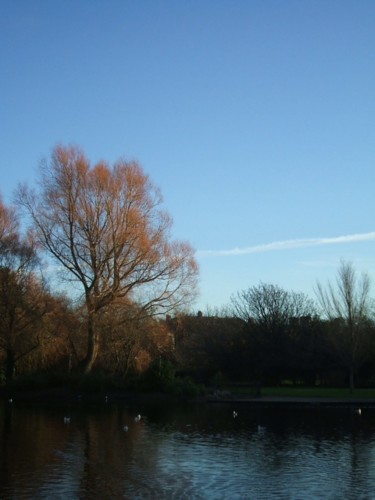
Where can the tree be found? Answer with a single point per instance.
(272, 315)
(106, 229)
(271, 306)
(347, 306)
(208, 345)
(22, 293)
(56, 332)
(131, 342)
(8, 231)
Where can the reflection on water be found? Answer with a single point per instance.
(185, 452)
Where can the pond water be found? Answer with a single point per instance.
(185, 452)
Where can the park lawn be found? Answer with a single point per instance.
(308, 392)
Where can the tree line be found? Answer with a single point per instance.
(104, 231)
(274, 336)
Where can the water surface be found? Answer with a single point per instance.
(185, 451)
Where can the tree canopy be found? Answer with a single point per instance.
(105, 227)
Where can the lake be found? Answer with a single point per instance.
(185, 452)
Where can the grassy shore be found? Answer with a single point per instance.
(312, 392)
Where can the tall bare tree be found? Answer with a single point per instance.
(348, 305)
(106, 229)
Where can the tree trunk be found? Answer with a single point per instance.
(10, 366)
(351, 378)
(92, 345)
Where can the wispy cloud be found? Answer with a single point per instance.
(289, 245)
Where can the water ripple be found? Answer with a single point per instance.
(189, 453)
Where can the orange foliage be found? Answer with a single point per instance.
(106, 227)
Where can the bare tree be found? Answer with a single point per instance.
(271, 306)
(275, 318)
(347, 304)
(106, 229)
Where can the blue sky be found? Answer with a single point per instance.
(255, 118)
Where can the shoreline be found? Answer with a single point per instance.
(296, 402)
(63, 395)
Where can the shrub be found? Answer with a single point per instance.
(185, 387)
(161, 375)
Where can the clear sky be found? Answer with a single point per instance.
(255, 118)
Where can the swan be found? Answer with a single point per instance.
(137, 418)
(125, 428)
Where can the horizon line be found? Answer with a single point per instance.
(289, 245)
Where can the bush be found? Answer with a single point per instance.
(160, 376)
(93, 382)
(36, 381)
(185, 387)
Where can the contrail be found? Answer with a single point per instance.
(289, 245)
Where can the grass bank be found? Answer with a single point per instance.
(313, 392)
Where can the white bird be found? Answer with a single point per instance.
(126, 428)
(66, 420)
(235, 414)
(358, 411)
(137, 418)
(10, 400)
